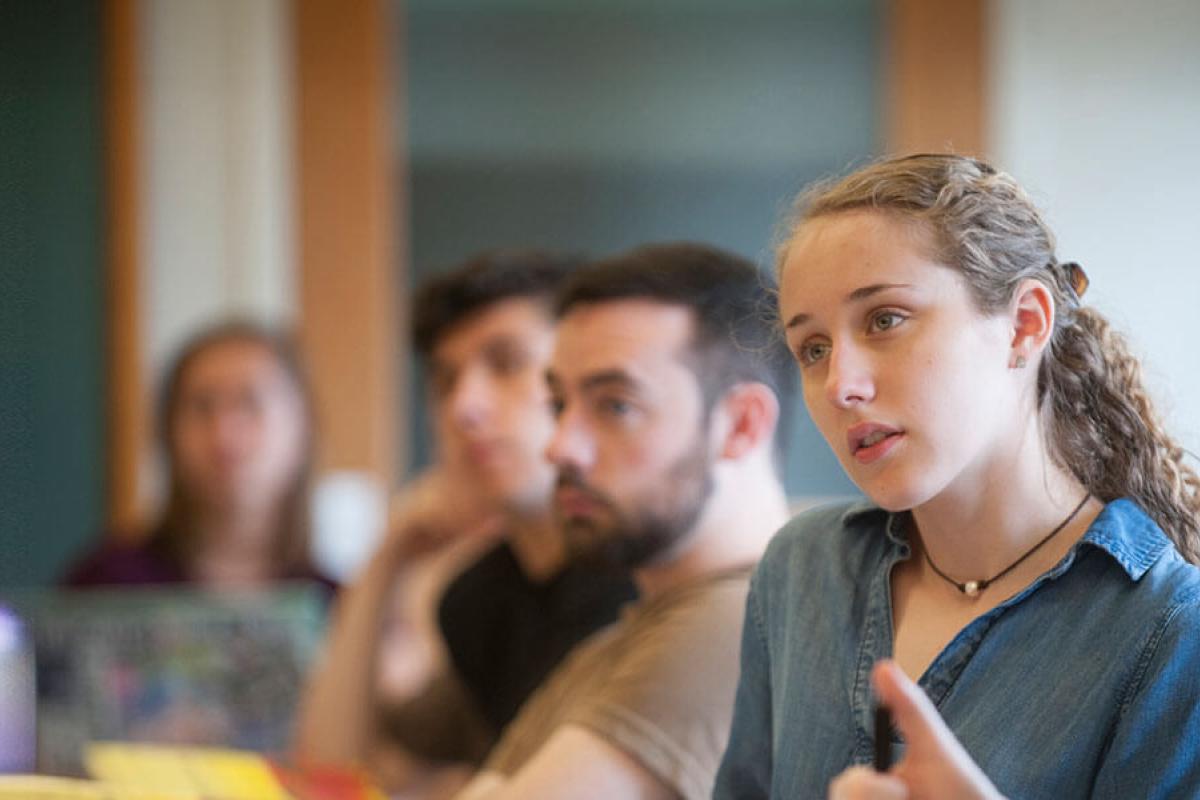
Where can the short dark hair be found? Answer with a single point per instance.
(448, 299)
(736, 335)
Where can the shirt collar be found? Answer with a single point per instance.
(858, 510)
(864, 512)
(1122, 529)
(1129, 536)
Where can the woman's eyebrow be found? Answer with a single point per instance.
(858, 294)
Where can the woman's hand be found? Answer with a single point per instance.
(934, 766)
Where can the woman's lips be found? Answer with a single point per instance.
(869, 442)
(871, 453)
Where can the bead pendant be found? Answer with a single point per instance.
(971, 588)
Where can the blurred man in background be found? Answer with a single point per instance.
(473, 538)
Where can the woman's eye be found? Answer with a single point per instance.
(812, 352)
(886, 320)
(442, 382)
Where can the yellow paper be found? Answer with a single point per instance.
(38, 787)
(208, 773)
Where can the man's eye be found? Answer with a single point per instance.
(615, 406)
(886, 320)
(557, 406)
(812, 352)
(507, 361)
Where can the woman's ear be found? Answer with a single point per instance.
(751, 411)
(1032, 321)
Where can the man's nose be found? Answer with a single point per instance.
(571, 445)
(470, 400)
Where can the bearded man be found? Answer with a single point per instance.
(668, 379)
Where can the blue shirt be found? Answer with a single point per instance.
(1085, 684)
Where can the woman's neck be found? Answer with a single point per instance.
(234, 549)
(975, 530)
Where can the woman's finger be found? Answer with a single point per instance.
(913, 712)
(864, 783)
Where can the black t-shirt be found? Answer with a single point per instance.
(505, 633)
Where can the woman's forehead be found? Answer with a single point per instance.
(234, 361)
(853, 247)
(232, 351)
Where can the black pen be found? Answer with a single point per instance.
(883, 738)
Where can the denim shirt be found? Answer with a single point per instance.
(1085, 684)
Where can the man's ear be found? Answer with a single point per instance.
(750, 411)
(1032, 321)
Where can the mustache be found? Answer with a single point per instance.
(571, 478)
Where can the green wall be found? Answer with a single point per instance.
(51, 291)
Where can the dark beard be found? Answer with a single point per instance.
(646, 534)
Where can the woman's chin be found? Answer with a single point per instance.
(892, 497)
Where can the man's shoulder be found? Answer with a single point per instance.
(684, 609)
(662, 676)
(666, 679)
(668, 644)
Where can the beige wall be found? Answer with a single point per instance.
(216, 171)
(1096, 108)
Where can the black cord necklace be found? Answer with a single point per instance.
(973, 588)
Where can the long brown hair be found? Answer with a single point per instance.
(1096, 414)
(173, 534)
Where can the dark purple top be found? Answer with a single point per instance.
(113, 564)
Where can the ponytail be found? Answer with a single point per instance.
(1101, 425)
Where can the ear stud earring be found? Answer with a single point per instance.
(1019, 362)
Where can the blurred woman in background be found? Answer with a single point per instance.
(235, 422)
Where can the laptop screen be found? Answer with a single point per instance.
(169, 665)
(18, 735)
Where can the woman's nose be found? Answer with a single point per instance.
(849, 380)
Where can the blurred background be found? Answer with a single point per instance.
(167, 162)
